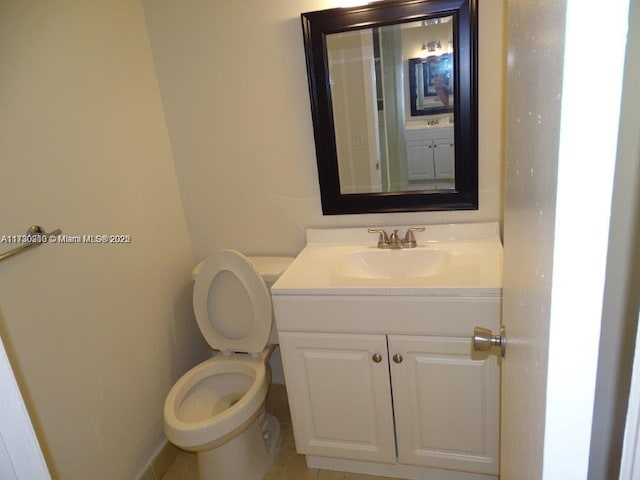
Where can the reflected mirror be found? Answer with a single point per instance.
(392, 88)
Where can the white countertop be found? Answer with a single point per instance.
(474, 263)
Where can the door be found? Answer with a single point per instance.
(446, 404)
(20, 454)
(341, 406)
(555, 239)
(444, 163)
(420, 162)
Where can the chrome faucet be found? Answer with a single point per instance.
(409, 239)
(393, 241)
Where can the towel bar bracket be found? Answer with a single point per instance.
(34, 237)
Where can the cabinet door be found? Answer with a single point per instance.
(339, 395)
(446, 404)
(420, 161)
(444, 163)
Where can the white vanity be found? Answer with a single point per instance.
(377, 353)
(430, 156)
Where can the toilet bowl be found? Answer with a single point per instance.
(217, 409)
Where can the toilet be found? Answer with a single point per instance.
(217, 409)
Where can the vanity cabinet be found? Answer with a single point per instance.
(339, 396)
(377, 355)
(447, 405)
(349, 393)
(431, 158)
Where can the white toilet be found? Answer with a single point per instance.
(217, 408)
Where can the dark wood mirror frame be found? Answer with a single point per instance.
(317, 25)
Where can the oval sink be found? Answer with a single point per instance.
(392, 263)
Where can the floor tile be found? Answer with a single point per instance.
(148, 475)
(278, 404)
(288, 465)
(184, 467)
(164, 460)
(330, 475)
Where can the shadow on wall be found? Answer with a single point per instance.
(188, 347)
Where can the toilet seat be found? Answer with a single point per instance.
(215, 428)
(232, 304)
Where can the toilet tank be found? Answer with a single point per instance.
(271, 267)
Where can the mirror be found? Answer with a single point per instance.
(393, 99)
(431, 85)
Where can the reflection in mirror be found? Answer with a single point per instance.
(365, 71)
(431, 84)
(394, 117)
(376, 152)
(431, 76)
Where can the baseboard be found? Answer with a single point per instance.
(409, 472)
(160, 462)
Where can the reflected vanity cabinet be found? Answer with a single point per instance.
(431, 158)
(408, 406)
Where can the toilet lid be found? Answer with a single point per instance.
(232, 304)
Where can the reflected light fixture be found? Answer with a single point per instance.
(431, 48)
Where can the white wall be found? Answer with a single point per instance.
(234, 89)
(622, 293)
(97, 334)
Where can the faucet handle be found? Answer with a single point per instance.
(409, 239)
(383, 238)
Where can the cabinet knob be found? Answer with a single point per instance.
(377, 358)
(397, 358)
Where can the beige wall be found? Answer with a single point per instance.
(97, 334)
(234, 87)
(414, 38)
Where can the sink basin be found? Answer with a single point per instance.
(450, 260)
(410, 263)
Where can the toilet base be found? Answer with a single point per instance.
(248, 456)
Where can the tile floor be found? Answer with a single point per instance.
(288, 465)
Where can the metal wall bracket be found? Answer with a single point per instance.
(34, 237)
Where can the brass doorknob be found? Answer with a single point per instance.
(377, 358)
(397, 358)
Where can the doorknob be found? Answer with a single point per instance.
(484, 339)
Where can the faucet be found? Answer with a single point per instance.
(393, 241)
(383, 238)
(409, 240)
